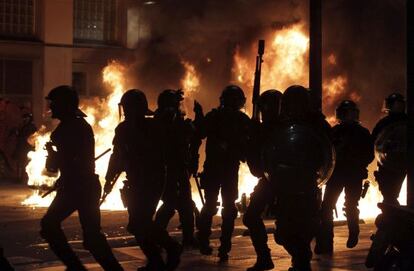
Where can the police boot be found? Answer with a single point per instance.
(263, 262)
(353, 227)
(204, 244)
(352, 237)
(174, 251)
(224, 250)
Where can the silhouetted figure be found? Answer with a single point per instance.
(227, 131)
(139, 150)
(263, 194)
(390, 140)
(78, 187)
(354, 150)
(293, 158)
(181, 155)
(23, 147)
(4, 263)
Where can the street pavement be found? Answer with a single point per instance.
(25, 249)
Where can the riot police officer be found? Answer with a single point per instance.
(227, 130)
(295, 158)
(78, 187)
(263, 195)
(139, 150)
(181, 157)
(389, 136)
(354, 152)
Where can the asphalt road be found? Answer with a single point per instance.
(26, 250)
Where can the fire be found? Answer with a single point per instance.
(36, 169)
(191, 81)
(284, 62)
(368, 205)
(247, 181)
(103, 117)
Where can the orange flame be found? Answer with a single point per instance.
(191, 81)
(284, 62)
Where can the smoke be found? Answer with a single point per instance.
(206, 34)
(366, 40)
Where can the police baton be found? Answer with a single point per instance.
(54, 188)
(365, 189)
(197, 181)
(112, 184)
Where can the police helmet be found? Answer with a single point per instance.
(392, 99)
(64, 100)
(270, 98)
(134, 100)
(232, 97)
(347, 110)
(295, 101)
(170, 98)
(64, 95)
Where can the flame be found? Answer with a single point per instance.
(284, 62)
(191, 81)
(247, 181)
(368, 205)
(103, 117)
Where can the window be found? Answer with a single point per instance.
(17, 18)
(95, 21)
(15, 78)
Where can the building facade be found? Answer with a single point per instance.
(46, 43)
